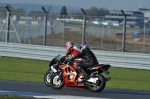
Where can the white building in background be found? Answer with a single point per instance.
(146, 12)
(135, 18)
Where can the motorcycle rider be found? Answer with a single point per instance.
(90, 60)
(71, 49)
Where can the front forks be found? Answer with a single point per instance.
(59, 75)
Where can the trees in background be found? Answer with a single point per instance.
(92, 12)
(63, 12)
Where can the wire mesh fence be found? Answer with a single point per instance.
(29, 29)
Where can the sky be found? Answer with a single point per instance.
(126, 5)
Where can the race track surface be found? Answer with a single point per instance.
(40, 89)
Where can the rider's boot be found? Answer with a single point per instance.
(86, 75)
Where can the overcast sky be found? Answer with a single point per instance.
(131, 5)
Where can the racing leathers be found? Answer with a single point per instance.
(73, 51)
(90, 60)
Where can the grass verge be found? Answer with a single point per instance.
(25, 70)
(17, 97)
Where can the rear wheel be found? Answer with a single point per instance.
(99, 85)
(57, 82)
(47, 78)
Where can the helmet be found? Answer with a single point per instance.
(69, 44)
(83, 46)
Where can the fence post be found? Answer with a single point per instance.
(102, 33)
(84, 26)
(45, 26)
(145, 22)
(124, 32)
(8, 23)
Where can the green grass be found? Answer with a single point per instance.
(131, 79)
(22, 69)
(25, 70)
(17, 97)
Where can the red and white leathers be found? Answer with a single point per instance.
(73, 51)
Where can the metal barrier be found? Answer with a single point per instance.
(46, 53)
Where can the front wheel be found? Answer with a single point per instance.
(47, 77)
(99, 85)
(57, 82)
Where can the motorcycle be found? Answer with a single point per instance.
(68, 75)
(56, 62)
(47, 75)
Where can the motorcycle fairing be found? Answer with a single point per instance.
(66, 73)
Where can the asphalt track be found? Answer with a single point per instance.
(41, 90)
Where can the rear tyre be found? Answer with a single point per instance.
(99, 85)
(57, 82)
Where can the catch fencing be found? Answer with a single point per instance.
(29, 28)
(46, 53)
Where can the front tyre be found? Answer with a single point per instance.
(57, 82)
(47, 78)
(99, 85)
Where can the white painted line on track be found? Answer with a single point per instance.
(40, 95)
(68, 97)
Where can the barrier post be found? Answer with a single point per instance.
(124, 32)
(8, 23)
(84, 26)
(45, 26)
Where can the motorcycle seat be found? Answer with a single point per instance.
(104, 65)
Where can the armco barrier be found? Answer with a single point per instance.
(46, 53)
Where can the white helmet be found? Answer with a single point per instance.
(69, 44)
